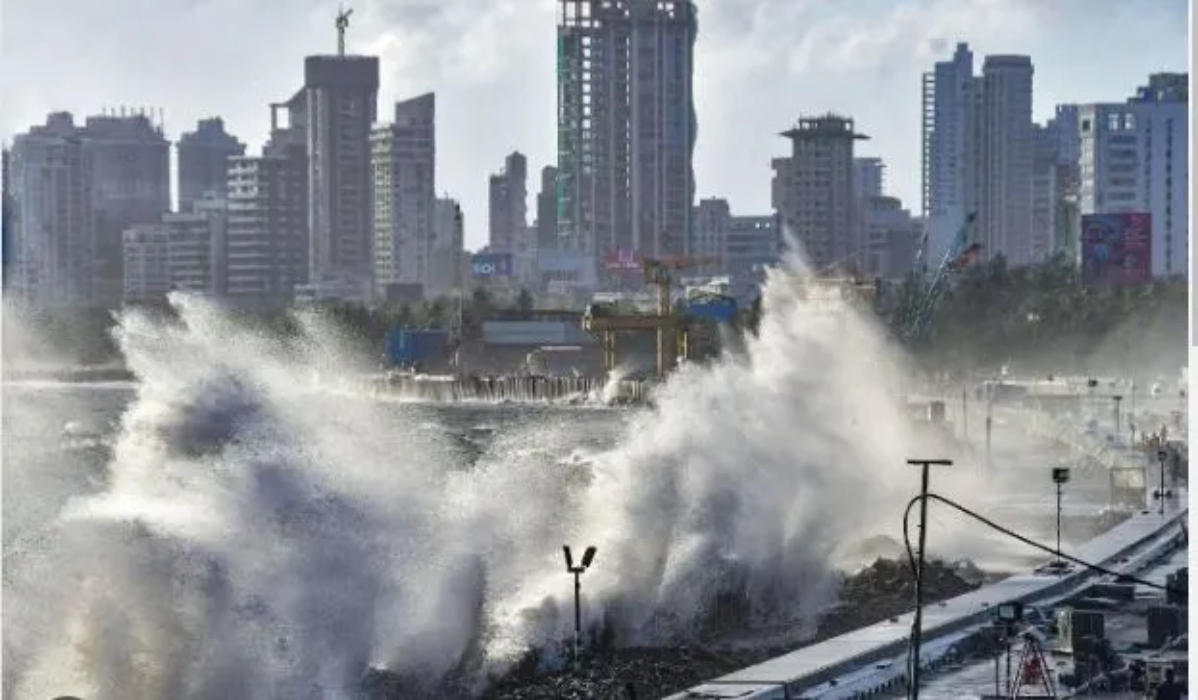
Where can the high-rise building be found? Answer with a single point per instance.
(403, 162)
(950, 150)
(182, 253)
(445, 263)
(814, 193)
(890, 237)
(709, 229)
(1005, 212)
(265, 245)
(7, 218)
(340, 101)
(130, 170)
(508, 211)
(752, 244)
(1163, 109)
(204, 161)
(978, 155)
(147, 272)
(50, 185)
(626, 125)
(547, 210)
(1134, 158)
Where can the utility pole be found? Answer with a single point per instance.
(917, 626)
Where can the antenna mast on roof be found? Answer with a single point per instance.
(342, 25)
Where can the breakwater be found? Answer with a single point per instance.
(512, 388)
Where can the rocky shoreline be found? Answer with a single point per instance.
(878, 592)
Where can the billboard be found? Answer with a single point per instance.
(622, 260)
(1116, 249)
(491, 265)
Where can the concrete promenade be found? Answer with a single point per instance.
(869, 660)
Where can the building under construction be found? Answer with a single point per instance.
(626, 125)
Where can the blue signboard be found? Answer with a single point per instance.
(712, 307)
(491, 265)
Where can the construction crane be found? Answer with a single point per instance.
(670, 326)
(342, 25)
(960, 254)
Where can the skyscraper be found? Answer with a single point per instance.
(7, 219)
(1005, 211)
(547, 210)
(265, 246)
(626, 125)
(950, 155)
(978, 155)
(130, 169)
(445, 263)
(814, 191)
(340, 100)
(403, 161)
(508, 211)
(204, 161)
(51, 192)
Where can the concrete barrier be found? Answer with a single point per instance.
(865, 651)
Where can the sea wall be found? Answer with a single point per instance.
(512, 388)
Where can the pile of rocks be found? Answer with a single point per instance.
(879, 592)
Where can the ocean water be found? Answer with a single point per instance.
(231, 526)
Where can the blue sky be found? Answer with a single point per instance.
(760, 64)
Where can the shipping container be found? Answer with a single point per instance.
(408, 346)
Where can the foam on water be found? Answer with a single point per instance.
(259, 538)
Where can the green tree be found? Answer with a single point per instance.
(525, 303)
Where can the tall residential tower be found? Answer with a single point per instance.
(340, 96)
(404, 159)
(626, 125)
(204, 161)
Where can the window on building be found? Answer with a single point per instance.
(1085, 126)
(1112, 122)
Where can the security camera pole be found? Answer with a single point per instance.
(1060, 477)
(917, 626)
(587, 557)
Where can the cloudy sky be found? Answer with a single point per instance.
(760, 64)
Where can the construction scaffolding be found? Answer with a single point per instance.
(626, 126)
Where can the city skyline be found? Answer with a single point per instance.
(479, 70)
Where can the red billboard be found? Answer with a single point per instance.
(1116, 249)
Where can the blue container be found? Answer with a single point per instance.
(407, 346)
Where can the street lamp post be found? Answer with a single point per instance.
(917, 626)
(989, 424)
(588, 556)
(1161, 456)
(1117, 398)
(1060, 477)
